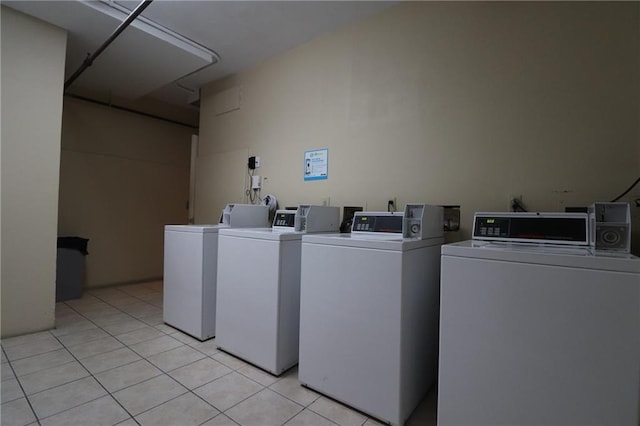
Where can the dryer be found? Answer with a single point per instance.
(369, 311)
(190, 268)
(538, 333)
(258, 292)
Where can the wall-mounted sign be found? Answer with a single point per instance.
(316, 164)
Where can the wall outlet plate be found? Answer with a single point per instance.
(514, 200)
(392, 204)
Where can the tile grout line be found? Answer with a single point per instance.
(52, 387)
(114, 336)
(21, 388)
(285, 396)
(110, 305)
(291, 418)
(241, 401)
(127, 346)
(317, 414)
(32, 355)
(93, 376)
(189, 391)
(247, 377)
(161, 352)
(90, 373)
(99, 383)
(166, 373)
(318, 395)
(138, 319)
(192, 391)
(355, 410)
(158, 405)
(66, 348)
(145, 358)
(89, 319)
(306, 407)
(237, 370)
(126, 313)
(169, 333)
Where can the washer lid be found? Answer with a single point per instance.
(195, 228)
(371, 241)
(578, 257)
(262, 234)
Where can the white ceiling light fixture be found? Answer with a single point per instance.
(114, 35)
(142, 59)
(169, 43)
(119, 12)
(201, 56)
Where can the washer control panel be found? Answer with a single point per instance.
(377, 222)
(285, 219)
(492, 227)
(546, 228)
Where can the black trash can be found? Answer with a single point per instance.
(70, 267)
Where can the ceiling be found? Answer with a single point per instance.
(177, 46)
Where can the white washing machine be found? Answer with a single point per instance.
(369, 311)
(534, 334)
(190, 268)
(258, 292)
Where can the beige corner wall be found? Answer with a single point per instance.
(122, 178)
(220, 180)
(33, 55)
(448, 103)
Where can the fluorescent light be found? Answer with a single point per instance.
(119, 12)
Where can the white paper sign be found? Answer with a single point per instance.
(316, 164)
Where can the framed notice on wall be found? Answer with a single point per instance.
(316, 164)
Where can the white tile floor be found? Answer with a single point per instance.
(111, 360)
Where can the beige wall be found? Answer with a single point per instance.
(448, 103)
(222, 178)
(122, 178)
(33, 55)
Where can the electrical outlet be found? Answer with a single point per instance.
(326, 201)
(392, 205)
(257, 162)
(514, 202)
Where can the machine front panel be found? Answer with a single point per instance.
(543, 228)
(285, 220)
(377, 223)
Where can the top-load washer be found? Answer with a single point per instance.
(544, 332)
(369, 311)
(258, 299)
(190, 268)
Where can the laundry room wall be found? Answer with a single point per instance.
(447, 103)
(32, 81)
(122, 178)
